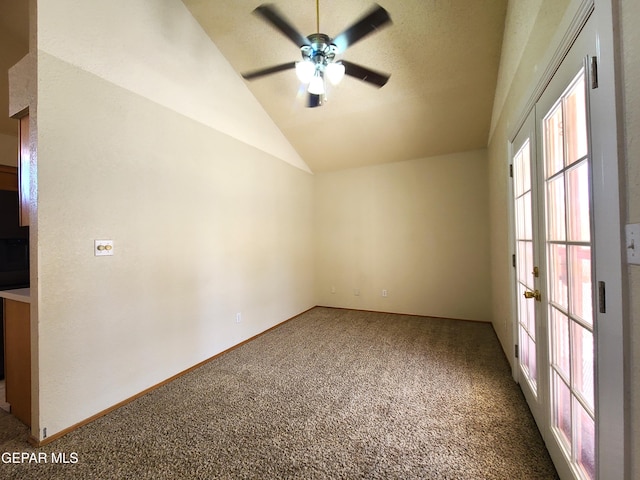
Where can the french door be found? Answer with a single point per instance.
(565, 176)
(555, 265)
(527, 262)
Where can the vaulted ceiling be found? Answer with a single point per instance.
(443, 57)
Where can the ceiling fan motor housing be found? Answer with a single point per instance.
(321, 51)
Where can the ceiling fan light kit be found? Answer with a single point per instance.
(316, 85)
(335, 72)
(305, 71)
(319, 52)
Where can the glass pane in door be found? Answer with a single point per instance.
(558, 274)
(561, 410)
(577, 198)
(580, 275)
(569, 276)
(553, 141)
(556, 213)
(560, 343)
(576, 116)
(585, 441)
(582, 350)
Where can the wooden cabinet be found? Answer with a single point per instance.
(8, 178)
(17, 354)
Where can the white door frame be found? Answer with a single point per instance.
(610, 265)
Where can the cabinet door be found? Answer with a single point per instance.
(17, 339)
(8, 178)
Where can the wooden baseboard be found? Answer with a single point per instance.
(408, 314)
(45, 441)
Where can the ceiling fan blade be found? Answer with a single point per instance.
(371, 22)
(268, 71)
(314, 100)
(365, 74)
(273, 16)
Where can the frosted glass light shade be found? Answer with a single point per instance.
(335, 73)
(305, 71)
(316, 85)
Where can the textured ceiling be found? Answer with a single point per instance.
(443, 58)
(442, 55)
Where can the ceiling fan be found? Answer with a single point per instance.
(319, 52)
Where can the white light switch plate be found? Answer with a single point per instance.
(103, 248)
(633, 243)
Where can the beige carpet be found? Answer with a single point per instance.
(330, 394)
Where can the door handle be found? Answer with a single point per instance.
(535, 294)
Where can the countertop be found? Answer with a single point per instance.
(19, 294)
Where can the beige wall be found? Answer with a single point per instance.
(522, 58)
(528, 28)
(162, 42)
(205, 226)
(630, 55)
(418, 229)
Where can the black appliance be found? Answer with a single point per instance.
(14, 244)
(14, 263)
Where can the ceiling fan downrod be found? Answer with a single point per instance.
(318, 59)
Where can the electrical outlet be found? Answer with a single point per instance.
(333, 289)
(384, 292)
(102, 248)
(238, 317)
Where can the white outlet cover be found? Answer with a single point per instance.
(103, 248)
